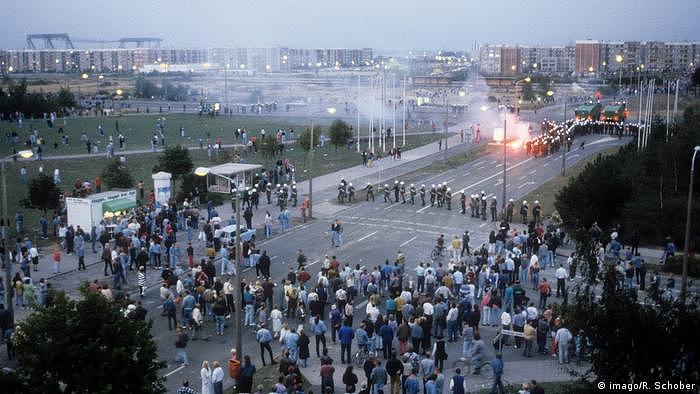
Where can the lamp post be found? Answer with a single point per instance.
(517, 113)
(226, 87)
(619, 60)
(684, 280)
(25, 154)
(204, 171)
(330, 110)
(461, 93)
(505, 155)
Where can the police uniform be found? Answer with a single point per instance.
(536, 210)
(463, 203)
(523, 211)
(412, 191)
(387, 193)
(509, 211)
(483, 207)
(351, 192)
(370, 191)
(422, 195)
(396, 191)
(402, 191)
(494, 208)
(448, 198)
(433, 194)
(294, 194)
(268, 192)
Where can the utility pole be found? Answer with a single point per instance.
(447, 118)
(310, 171)
(239, 266)
(564, 142)
(505, 153)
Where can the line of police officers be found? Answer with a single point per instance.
(250, 196)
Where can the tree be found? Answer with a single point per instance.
(87, 346)
(117, 175)
(339, 132)
(695, 79)
(65, 99)
(43, 193)
(528, 94)
(268, 147)
(304, 139)
(176, 160)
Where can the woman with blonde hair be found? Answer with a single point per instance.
(205, 375)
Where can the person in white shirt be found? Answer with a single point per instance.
(561, 275)
(217, 378)
(531, 312)
(427, 309)
(372, 312)
(562, 338)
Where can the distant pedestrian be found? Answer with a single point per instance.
(57, 259)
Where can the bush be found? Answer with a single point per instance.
(675, 265)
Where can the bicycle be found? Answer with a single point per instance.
(438, 251)
(485, 370)
(362, 355)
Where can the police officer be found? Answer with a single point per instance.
(341, 192)
(278, 193)
(370, 191)
(254, 197)
(494, 207)
(509, 211)
(412, 191)
(246, 197)
(268, 192)
(483, 207)
(463, 203)
(440, 195)
(433, 194)
(448, 198)
(523, 211)
(294, 194)
(477, 206)
(402, 191)
(422, 195)
(387, 193)
(234, 196)
(351, 192)
(536, 210)
(396, 191)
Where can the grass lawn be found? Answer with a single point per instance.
(138, 130)
(547, 192)
(326, 160)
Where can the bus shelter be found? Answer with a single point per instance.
(224, 177)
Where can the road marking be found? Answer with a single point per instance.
(498, 183)
(449, 181)
(406, 243)
(545, 164)
(483, 224)
(495, 161)
(494, 175)
(361, 304)
(523, 185)
(432, 177)
(392, 205)
(423, 209)
(574, 155)
(507, 185)
(273, 257)
(533, 172)
(522, 177)
(178, 369)
(480, 168)
(367, 236)
(467, 173)
(315, 261)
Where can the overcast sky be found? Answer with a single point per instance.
(386, 25)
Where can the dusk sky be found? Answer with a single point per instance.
(386, 25)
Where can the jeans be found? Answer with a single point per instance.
(495, 316)
(563, 353)
(377, 388)
(294, 353)
(345, 351)
(268, 230)
(263, 347)
(249, 321)
(220, 324)
(182, 356)
(523, 276)
(486, 316)
(527, 352)
(451, 330)
(320, 339)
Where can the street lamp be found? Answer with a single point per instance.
(25, 154)
(619, 60)
(684, 281)
(460, 93)
(330, 110)
(204, 171)
(517, 100)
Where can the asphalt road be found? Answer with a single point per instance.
(374, 232)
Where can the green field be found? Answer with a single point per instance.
(326, 160)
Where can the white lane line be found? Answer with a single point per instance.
(533, 172)
(493, 176)
(545, 164)
(480, 168)
(178, 369)
(498, 183)
(273, 257)
(367, 236)
(483, 224)
(406, 243)
(495, 161)
(361, 304)
(574, 155)
(315, 261)
(449, 181)
(507, 185)
(392, 205)
(523, 185)
(522, 177)
(467, 173)
(425, 207)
